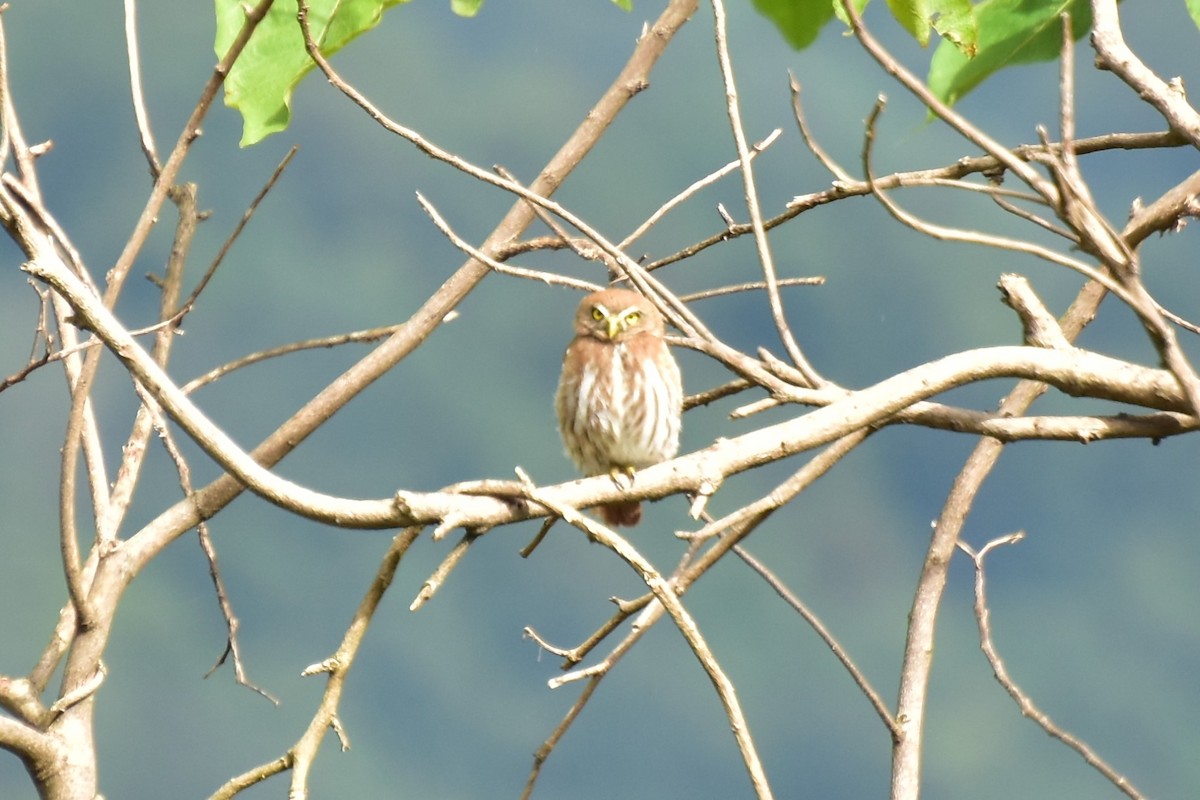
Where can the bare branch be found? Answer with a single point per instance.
(1167, 213)
(951, 117)
(1041, 328)
(750, 286)
(1114, 54)
(435, 581)
(191, 131)
(826, 636)
(134, 451)
(548, 278)
(1029, 709)
(354, 337)
(810, 140)
(135, 86)
(301, 756)
(707, 180)
(232, 646)
(239, 783)
(960, 168)
(187, 305)
(766, 260)
(665, 594)
(547, 747)
(944, 233)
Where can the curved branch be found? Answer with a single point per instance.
(1115, 55)
(664, 592)
(962, 167)
(1029, 709)
(1075, 372)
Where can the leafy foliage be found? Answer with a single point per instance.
(950, 18)
(976, 40)
(261, 83)
(1010, 32)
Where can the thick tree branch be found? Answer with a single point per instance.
(1114, 54)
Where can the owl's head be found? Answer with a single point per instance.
(614, 315)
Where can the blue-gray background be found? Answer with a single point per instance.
(1094, 611)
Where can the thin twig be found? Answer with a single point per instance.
(961, 167)
(1034, 219)
(815, 623)
(12, 139)
(49, 224)
(325, 342)
(750, 286)
(337, 666)
(548, 278)
(811, 140)
(707, 180)
(916, 86)
(666, 595)
(717, 393)
(583, 250)
(547, 747)
(300, 756)
(766, 260)
(948, 234)
(135, 86)
(1025, 703)
(187, 305)
(170, 170)
(434, 582)
(538, 538)
(134, 451)
(232, 646)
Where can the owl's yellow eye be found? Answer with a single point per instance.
(598, 313)
(633, 317)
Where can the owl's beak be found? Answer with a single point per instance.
(614, 327)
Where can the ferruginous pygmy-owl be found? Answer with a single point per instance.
(620, 397)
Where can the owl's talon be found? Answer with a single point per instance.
(622, 477)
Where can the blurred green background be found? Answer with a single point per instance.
(1094, 612)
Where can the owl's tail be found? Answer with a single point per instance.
(627, 513)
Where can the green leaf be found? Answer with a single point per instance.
(911, 14)
(624, 5)
(1010, 32)
(466, 8)
(955, 22)
(1193, 7)
(262, 80)
(799, 21)
(920, 16)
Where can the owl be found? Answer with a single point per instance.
(620, 396)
